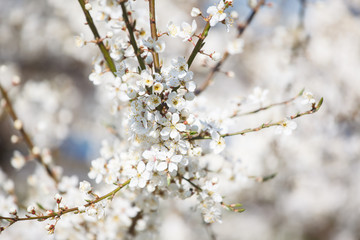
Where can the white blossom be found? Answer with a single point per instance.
(18, 160)
(217, 13)
(286, 127)
(307, 98)
(84, 186)
(187, 30)
(195, 12)
(217, 143)
(236, 46)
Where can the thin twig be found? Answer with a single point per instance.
(314, 109)
(68, 210)
(193, 184)
(98, 40)
(200, 43)
(130, 29)
(236, 114)
(26, 136)
(154, 35)
(241, 30)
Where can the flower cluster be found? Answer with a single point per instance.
(159, 141)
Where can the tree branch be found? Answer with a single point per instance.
(241, 30)
(68, 210)
(314, 109)
(98, 40)
(236, 114)
(130, 29)
(154, 33)
(26, 136)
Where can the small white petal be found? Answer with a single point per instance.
(176, 158)
(165, 131)
(134, 182)
(162, 166)
(173, 167)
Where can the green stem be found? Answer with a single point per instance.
(130, 29)
(99, 42)
(200, 43)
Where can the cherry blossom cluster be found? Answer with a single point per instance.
(159, 140)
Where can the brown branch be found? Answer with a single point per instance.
(26, 136)
(236, 114)
(154, 33)
(314, 109)
(241, 30)
(134, 220)
(61, 212)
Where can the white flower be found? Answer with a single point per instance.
(139, 176)
(173, 130)
(210, 189)
(173, 30)
(211, 214)
(187, 30)
(95, 77)
(234, 14)
(286, 127)
(252, 3)
(97, 170)
(131, 92)
(96, 210)
(195, 12)
(175, 101)
(18, 160)
(147, 79)
(79, 40)
(159, 46)
(57, 198)
(149, 42)
(88, 6)
(158, 87)
(169, 161)
(217, 13)
(307, 98)
(85, 187)
(258, 95)
(217, 143)
(236, 46)
(181, 66)
(216, 56)
(148, 58)
(190, 86)
(31, 209)
(153, 101)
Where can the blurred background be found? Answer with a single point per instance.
(290, 45)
